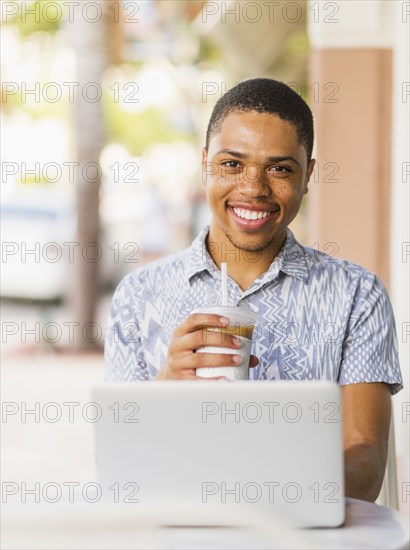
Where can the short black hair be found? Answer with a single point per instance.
(265, 95)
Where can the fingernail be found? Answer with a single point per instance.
(224, 320)
(236, 359)
(237, 341)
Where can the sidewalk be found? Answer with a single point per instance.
(54, 443)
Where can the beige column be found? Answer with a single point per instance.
(360, 49)
(351, 86)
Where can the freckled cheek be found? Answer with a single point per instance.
(222, 181)
(226, 178)
(284, 191)
(287, 196)
(216, 193)
(218, 189)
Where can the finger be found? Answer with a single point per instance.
(190, 374)
(200, 338)
(183, 366)
(210, 360)
(212, 378)
(196, 321)
(253, 361)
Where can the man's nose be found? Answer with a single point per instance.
(254, 181)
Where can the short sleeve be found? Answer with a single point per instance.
(370, 348)
(123, 354)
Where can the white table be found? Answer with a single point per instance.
(121, 527)
(367, 526)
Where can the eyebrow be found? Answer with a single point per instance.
(244, 156)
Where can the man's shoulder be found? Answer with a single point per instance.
(321, 264)
(319, 258)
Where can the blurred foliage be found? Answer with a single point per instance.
(208, 51)
(133, 130)
(138, 130)
(32, 17)
(297, 44)
(294, 53)
(36, 110)
(31, 179)
(35, 20)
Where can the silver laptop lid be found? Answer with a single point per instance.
(273, 446)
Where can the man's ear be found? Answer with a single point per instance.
(204, 159)
(310, 168)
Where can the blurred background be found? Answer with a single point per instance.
(104, 107)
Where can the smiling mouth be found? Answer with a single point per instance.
(251, 214)
(252, 219)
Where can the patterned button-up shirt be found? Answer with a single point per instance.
(318, 317)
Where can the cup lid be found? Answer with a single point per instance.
(236, 314)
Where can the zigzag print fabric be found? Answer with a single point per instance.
(318, 317)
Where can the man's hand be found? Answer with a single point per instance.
(182, 361)
(366, 422)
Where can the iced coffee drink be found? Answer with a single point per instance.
(241, 325)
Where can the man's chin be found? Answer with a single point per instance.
(253, 246)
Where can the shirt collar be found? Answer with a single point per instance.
(199, 258)
(291, 259)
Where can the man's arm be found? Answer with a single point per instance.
(123, 356)
(366, 422)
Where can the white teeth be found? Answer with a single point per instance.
(251, 214)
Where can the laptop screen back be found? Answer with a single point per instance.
(269, 446)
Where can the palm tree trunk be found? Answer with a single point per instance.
(89, 43)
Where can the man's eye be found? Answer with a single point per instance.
(281, 169)
(231, 164)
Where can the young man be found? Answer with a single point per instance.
(320, 318)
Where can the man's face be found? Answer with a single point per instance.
(256, 174)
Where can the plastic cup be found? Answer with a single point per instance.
(241, 324)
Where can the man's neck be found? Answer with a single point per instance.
(244, 266)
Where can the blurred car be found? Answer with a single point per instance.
(34, 259)
(39, 246)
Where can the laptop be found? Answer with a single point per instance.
(207, 452)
